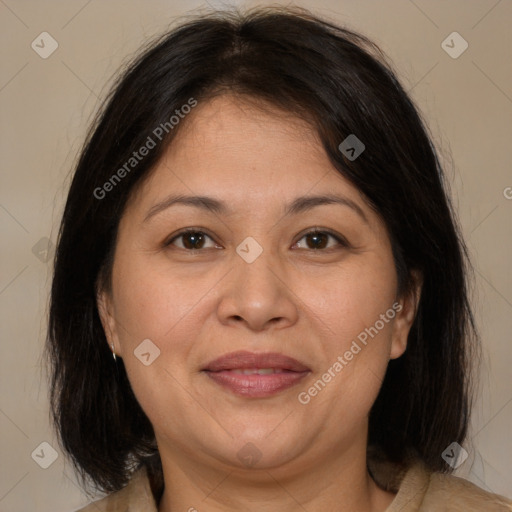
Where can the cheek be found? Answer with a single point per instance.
(166, 310)
(354, 311)
(351, 298)
(154, 302)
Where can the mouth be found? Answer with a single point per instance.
(256, 375)
(249, 361)
(257, 371)
(256, 383)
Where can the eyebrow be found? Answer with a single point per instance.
(298, 205)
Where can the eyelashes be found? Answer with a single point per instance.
(317, 234)
(198, 238)
(194, 239)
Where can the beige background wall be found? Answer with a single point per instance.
(46, 105)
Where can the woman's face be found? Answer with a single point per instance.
(251, 277)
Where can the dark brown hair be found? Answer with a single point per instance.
(341, 84)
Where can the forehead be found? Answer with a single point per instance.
(235, 149)
(227, 124)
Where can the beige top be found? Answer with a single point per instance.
(418, 490)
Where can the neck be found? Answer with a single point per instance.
(341, 482)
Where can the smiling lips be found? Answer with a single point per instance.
(256, 375)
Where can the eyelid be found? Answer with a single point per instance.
(186, 231)
(342, 241)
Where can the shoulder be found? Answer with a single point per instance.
(135, 497)
(420, 490)
(454, 494)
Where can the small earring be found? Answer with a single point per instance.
(114, 352)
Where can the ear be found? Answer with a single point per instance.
(105, 310)
(406, 309)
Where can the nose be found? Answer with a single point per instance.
(258, 294)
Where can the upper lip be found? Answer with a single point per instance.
(244, 359)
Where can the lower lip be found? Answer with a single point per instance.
(256, 386)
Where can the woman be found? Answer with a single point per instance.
(259, 299)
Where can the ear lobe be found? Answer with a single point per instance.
(104, 304)
(406, 313)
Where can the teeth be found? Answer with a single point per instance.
(259, 371)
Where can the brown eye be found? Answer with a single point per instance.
(320, 240)
(191, 240)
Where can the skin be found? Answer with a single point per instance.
(304, 302)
